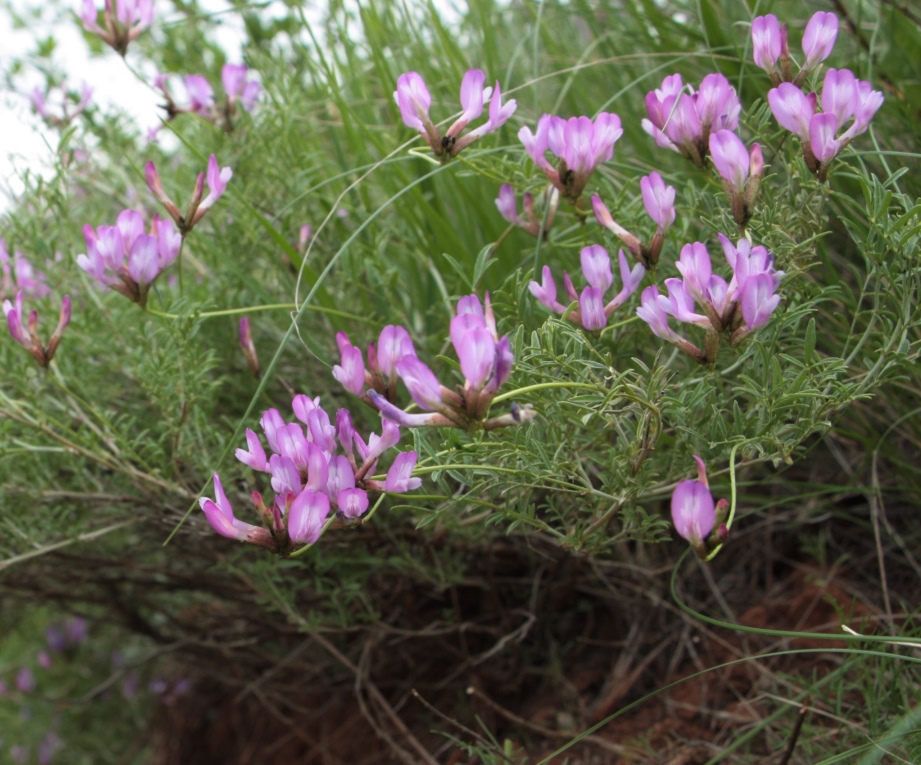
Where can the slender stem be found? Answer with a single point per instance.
(545, 386)
(257, 308)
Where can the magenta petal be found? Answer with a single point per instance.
(399, 477)
(596, 267)
(591, 308)
(306, 516)
(693, 511)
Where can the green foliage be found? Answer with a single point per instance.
(139, 408)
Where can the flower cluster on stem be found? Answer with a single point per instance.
(413, 99)
(485, 361)
(659, 201)
(217, 178)
(772, 52)
(126, 258)
(240, 91)
(122, 21)
(730, 311)
(580, 144)
(683, 121)
(18, 275)
(310, 477)
(593, 313)
(26, 334)
(531, 220)
(695, 514)
(846, 103)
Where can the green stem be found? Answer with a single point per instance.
(545, 386)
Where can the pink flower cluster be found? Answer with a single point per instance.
(18, 275)
(122, 21)
(592, 313)
(580, 144)
(772, 52)
(126, 258)
(485, 361)
(683, 121)
(413, 98)
(26, 334)
(531, 220)
(848, 105)
(239, 88)
(659, 201)
(732, 310)
(309, 478)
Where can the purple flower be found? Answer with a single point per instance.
(217, 177)
(25, 680)
(844, 98)
(545, 292)
(18, 275)
(683, 121)
(399, 477)
(819, 38)
(238, 87)
(413, 99)
(421, 383)
(537, 222)
(507, 205)
(125, 258)
(76, 629)
(593, 313)
(792, 108)
(351, 371)
(693, 509)
(731, 311)
(393, 344)
(353, 503)
(306, 516)
(27, 334)
(767, 43)
(730, 158)
(220, 515)
(123, 21)
(659, 200)
(580, 144)
(758, 300)
(740, 170)
(201, 94)
(655, 313)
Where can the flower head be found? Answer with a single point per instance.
(848, 105)
(413, 99)
(581, 144)
(531, 220)
(683, 121)
(126, 258)
(26, 334)
(122, 21)
(593, 313)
